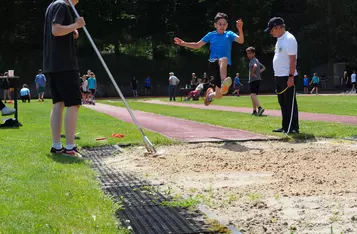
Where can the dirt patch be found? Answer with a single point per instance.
(260, 187)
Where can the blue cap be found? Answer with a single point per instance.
(275, 21)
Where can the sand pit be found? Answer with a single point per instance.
(260, 187)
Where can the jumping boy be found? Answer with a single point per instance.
(255, 69)
(220, 54)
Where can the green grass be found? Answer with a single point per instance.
(41, 193)
(338, 105)
(263, 125)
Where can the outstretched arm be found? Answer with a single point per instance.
(192, 45)
(240, 38)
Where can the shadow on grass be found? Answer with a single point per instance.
(66, 159)
(301, 137)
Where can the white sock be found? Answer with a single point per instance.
(211, 95)
(69, 147)
(57, 146)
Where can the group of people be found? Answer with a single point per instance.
(59, 61)
(284, 65)
(88, 87)
(349, 82)
(315, 81)
(147, 86)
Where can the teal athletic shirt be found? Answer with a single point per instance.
(220, 44)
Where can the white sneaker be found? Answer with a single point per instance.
(7, 111)
(226, 84)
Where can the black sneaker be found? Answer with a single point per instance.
(260, 111)
(74, 153)
(255, 113)
(56, 151)
(278, 130)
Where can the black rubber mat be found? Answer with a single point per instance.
(143, 210)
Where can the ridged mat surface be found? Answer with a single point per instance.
(142, 203)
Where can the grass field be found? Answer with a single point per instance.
(244, 121)
(41, 193)
(334, 104)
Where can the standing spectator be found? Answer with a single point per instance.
(306, 84)
(284, 64)
(173, 82)
(193, 81)
(60, 62)
(92, 87)
(345, 81)
(255, 69)
(315, 83)
(40, 81)
(147, 83)
(353, 81)
(134, 86)
(84, 89)
(6, 86)
(6, 110)
(236, 85)
(25, 93)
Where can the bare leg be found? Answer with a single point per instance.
(56, 121)
(71, 124)
(317, 90)
(255, 101)
(223, 63)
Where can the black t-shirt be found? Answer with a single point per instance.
(134, 84)
(58, 52)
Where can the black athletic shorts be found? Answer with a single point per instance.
(65, 87)
(92, 91)
(315, 85)
(213, 70)
(254, 86)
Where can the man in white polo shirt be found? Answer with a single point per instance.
(173, 82)
(284, 64)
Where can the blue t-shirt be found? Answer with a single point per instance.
(24, 92)
(40, 80)
(220, 44)
(147, 82)
(306, 81)
(236, 81)
(91, 83)
(315, 80)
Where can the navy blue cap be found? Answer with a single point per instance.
(275, 21)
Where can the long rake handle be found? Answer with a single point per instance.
(146, 140)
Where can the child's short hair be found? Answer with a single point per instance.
(219, 16)
(25, 86)
(250, 49)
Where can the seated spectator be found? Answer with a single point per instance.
(195, 95)
(25, 93)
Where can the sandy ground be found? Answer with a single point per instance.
(260, 187)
